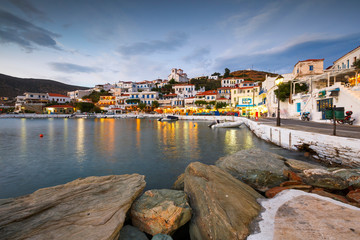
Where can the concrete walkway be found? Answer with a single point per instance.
(315, 127)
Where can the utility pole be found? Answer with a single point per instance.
(334, 119)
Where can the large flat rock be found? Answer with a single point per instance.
(89, 208)
(223, 207)
(260, 169)
(294, 214)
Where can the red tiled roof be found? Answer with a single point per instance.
(210, 92)
(222, 99)
(60, 106)
(310, 60)
(246, 87)
(56, 95)
(247, 82)
(171, 95)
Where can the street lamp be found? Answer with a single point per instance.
(278, 81)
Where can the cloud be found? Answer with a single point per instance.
(25, 34)
(29, 10)
(73, 68)
(279, 58)
(171, 43)
(198, 54)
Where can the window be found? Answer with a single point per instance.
(297, 71)
(298, 107)
(348, 64)
(311, 67)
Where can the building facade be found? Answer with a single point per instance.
(178, 75)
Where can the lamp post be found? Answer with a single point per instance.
(278, 81)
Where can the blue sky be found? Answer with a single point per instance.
(92, 42)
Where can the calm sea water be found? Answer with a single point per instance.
(73, 148)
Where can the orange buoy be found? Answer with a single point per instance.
(41, 135)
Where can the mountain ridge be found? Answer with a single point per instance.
(14, 86)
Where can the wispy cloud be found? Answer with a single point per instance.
(30, 10)
(171, 43)
(73, 68)
(198, 54)
(284, 57)
(25, 34)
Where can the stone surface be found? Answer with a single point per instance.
(322, 192)
(299, 166)
(223, 206)
(273, 191)
(352, 176)
(292, 175)
(294, 214)
(324, 179)
(89, 208)
(179, 183)
(161, 237)
(354, 196)
(160, 211)
(290, 183)
(129, 232)
(260, 169)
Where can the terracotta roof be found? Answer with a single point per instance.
(222, 99)
(170, 95)
(60, 106)
(246, 87)
(210, 92)
(184, 84)
(56, 95)
(310, 60)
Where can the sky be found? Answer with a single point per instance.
(95, 42)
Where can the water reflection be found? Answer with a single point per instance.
(80, 139)
(23, 146)
(230, 141)
(138, 132)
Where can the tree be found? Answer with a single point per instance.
(85, 106)
(283, 91)
(220, 105)
(200, 102)
(172, 81)
(356, 64)
(155, 104)
(95, 96)
(215, 74)
(227, 73)
(142, 105)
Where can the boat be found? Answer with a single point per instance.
(219, 124)
(168, 118)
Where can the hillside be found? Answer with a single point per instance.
(13, 86)
(252, 74)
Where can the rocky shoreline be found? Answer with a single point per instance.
(251, 194)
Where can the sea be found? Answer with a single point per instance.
(78, 148)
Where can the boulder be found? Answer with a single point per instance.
(161, 211)
(354, 196)
(322, 192)
(129, 232)
(161, 237)
(324, 179)
(299, 166)
(352, 176)
(223, 206)
(292, 175)
(260, 169)
(295, 214)
(89, 208)
(179, 183)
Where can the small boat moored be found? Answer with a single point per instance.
(219, 124)
(168, 118)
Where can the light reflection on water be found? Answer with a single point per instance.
(73, 148)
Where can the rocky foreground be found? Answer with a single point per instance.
(251, 194)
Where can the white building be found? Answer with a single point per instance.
(59, 98)
(347, 61)
(186, 90)
(178, 75)
(79, 93)
(231, 82)
(145, 97)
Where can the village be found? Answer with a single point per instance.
(308, 88)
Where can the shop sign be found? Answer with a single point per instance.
(322, 94)
(246, 101)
